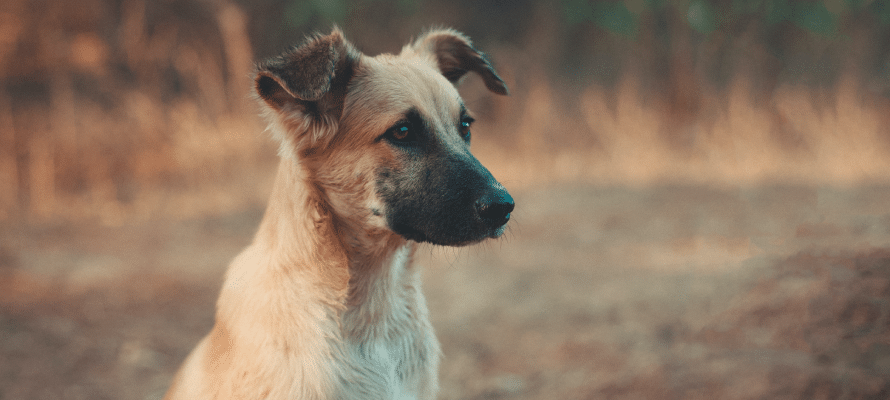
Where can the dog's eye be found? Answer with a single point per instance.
(403, 132)
(465, 123)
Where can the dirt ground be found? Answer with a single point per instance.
(670, 292)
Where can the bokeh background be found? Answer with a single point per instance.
(703, 192)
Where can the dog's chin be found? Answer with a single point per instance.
(443, 239)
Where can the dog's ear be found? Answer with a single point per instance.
(456, 56)
(303, 73)
(305, 87)
(306, 72)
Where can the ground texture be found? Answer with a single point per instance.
(671, 292)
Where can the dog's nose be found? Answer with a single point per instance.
(494, 208)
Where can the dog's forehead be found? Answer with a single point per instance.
(388, 86)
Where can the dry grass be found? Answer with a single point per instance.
(155, 120)
(799, 134)
(138, 109)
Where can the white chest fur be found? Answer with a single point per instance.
(389, 346)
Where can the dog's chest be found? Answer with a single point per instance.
(399, 362)
(389, 348)
(382, 370)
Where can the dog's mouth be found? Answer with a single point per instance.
(409, 233)
(453, 232)
(420, 237)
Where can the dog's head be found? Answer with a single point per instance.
(386, 139)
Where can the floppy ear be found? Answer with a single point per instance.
(305, 89)
(456, 56)
(311, 77)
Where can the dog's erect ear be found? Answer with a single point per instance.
(456, 56)
(308, 74)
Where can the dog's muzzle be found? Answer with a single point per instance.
(454, 201)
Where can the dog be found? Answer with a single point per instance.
(326, 302)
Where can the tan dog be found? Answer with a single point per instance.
(326, 303)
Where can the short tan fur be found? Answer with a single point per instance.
(326, 303)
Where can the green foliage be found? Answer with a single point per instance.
(408, 7)
(776, 11)
(815, 18)
(613, 16)
(577, 11)
(299, 13)
(820, 17)
(701, 16)
(881, 10)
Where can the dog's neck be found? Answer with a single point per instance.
(355, 266)
(299, 233)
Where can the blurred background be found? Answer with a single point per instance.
(703, 192)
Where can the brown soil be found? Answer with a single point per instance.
(673, 292)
